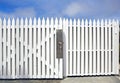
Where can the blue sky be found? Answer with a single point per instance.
(94, 9)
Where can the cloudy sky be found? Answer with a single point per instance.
(93, 9)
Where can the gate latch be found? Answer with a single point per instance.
(59, 40)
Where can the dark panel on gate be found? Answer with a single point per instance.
(59, 40)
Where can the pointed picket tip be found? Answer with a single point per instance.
(67, 21)
(70, 22)
(74, 22)
(21, 21)
(17, 21)
(47, 21)
(78, 22)
(82, 22)
(56, 20)
(63, 19)
(52, 21)
(9, 21)
(26, 21)
(86, 22)
(106, 21)
(60, 21)
(39, 21)
(94, 22)
(102, 22)
(30, 21)
(34, 21)
(0, 21)
(13, 21)
(117, 21)
(4, 21)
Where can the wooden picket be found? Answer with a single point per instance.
(28, 48)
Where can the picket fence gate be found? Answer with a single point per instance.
(28, 48)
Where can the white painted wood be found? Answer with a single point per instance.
(74, 56)
(56, 60)
(115, 46)
(90, 47)
(109, 64)
(43, 48)
(86, 47)
(61, 60)
(13, 48)
(94, 47)
(78, 44)
(48, 64)
(30, 48)
(51, 49)
(102, 47)
(4, 48)
(106, 52)
(39, 48)
(67, 40)
(71, 62)
(34, 47)
(0, 47)
(98, 47)
(21, 41)
(17, 45)
(82, 46)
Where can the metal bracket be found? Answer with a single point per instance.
(59, 40)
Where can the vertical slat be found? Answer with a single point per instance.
(4, 47)
(102, 47)
(17, 45)
(71, 62)
(106, 53)
(86, 47)
(64, 46)
(115, 46)
(94, 47)
(0, 48)
(30, 48)
(112, 47)
(48, 67)
(9, 67)
(43, 48)
(34, 47)
(56, 60)
(52, 64)
(26, 47)
(98, 47)
(82, 47)
(21, 41)
(60, 60)
(90, 47)
(13, 48)
(39, 48)
(74, 57)
(78, 44)
(109, 71)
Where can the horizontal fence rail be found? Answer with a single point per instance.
(28, 48)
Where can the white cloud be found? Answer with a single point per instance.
(19, 12)
(75, 8)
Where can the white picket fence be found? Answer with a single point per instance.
(28, 48)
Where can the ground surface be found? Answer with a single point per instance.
(96, 79)
(100, 79)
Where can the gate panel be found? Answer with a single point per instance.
(92, 47)
(28, 49)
